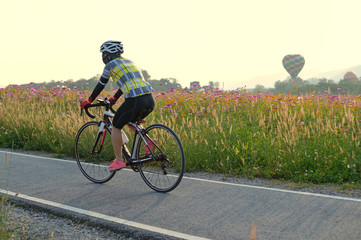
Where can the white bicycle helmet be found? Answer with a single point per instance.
(112, 47)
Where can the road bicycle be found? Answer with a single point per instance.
(156, 152)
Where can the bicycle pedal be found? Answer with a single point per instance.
(133, 166)
(135, 169)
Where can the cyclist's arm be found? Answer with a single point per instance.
(98, 88)
(104, 78)
(118, 93)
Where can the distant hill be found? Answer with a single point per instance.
(337, 75)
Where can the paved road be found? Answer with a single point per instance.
(197, 208)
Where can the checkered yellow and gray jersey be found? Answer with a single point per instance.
(127, 76)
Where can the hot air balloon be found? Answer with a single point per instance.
(293, 64)
(350, 75)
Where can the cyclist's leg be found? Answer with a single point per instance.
(121, 118)
(117, 141)
(144, 106)
(129, 111)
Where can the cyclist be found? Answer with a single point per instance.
(137, 93)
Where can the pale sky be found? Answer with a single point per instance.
(228, 41)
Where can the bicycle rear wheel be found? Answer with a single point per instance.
(94, 152)
(164, 173)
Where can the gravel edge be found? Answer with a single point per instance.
(31, 223)
(32, 220)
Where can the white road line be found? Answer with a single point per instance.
(277, 190)
(225, 183)
(103, 216)
(34, 156)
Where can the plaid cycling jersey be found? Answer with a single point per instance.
(127, 76)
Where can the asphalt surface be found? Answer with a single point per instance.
(196, 208)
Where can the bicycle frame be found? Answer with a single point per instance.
(131, 157)
(139, 135)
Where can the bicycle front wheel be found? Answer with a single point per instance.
(165, 171)
(94, 152)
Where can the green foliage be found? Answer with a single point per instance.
(5, 232)
(162, 85)
(346, 86)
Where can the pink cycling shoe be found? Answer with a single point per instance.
(115, 166)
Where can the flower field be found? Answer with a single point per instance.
(308, 137)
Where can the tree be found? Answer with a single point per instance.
(164, 84)
(195, 85)
(145, 75)
(282, 87)
(349, 85)
(211, 84)
(259, 88)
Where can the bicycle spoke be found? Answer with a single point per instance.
(165, 172)
(93, 152)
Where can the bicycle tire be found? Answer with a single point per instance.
(166, 174)
(93, 158)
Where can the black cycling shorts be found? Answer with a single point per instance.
(133, 109)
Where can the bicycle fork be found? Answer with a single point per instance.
(101, 133)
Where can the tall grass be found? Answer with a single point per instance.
(304, 137)
(8, 229)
